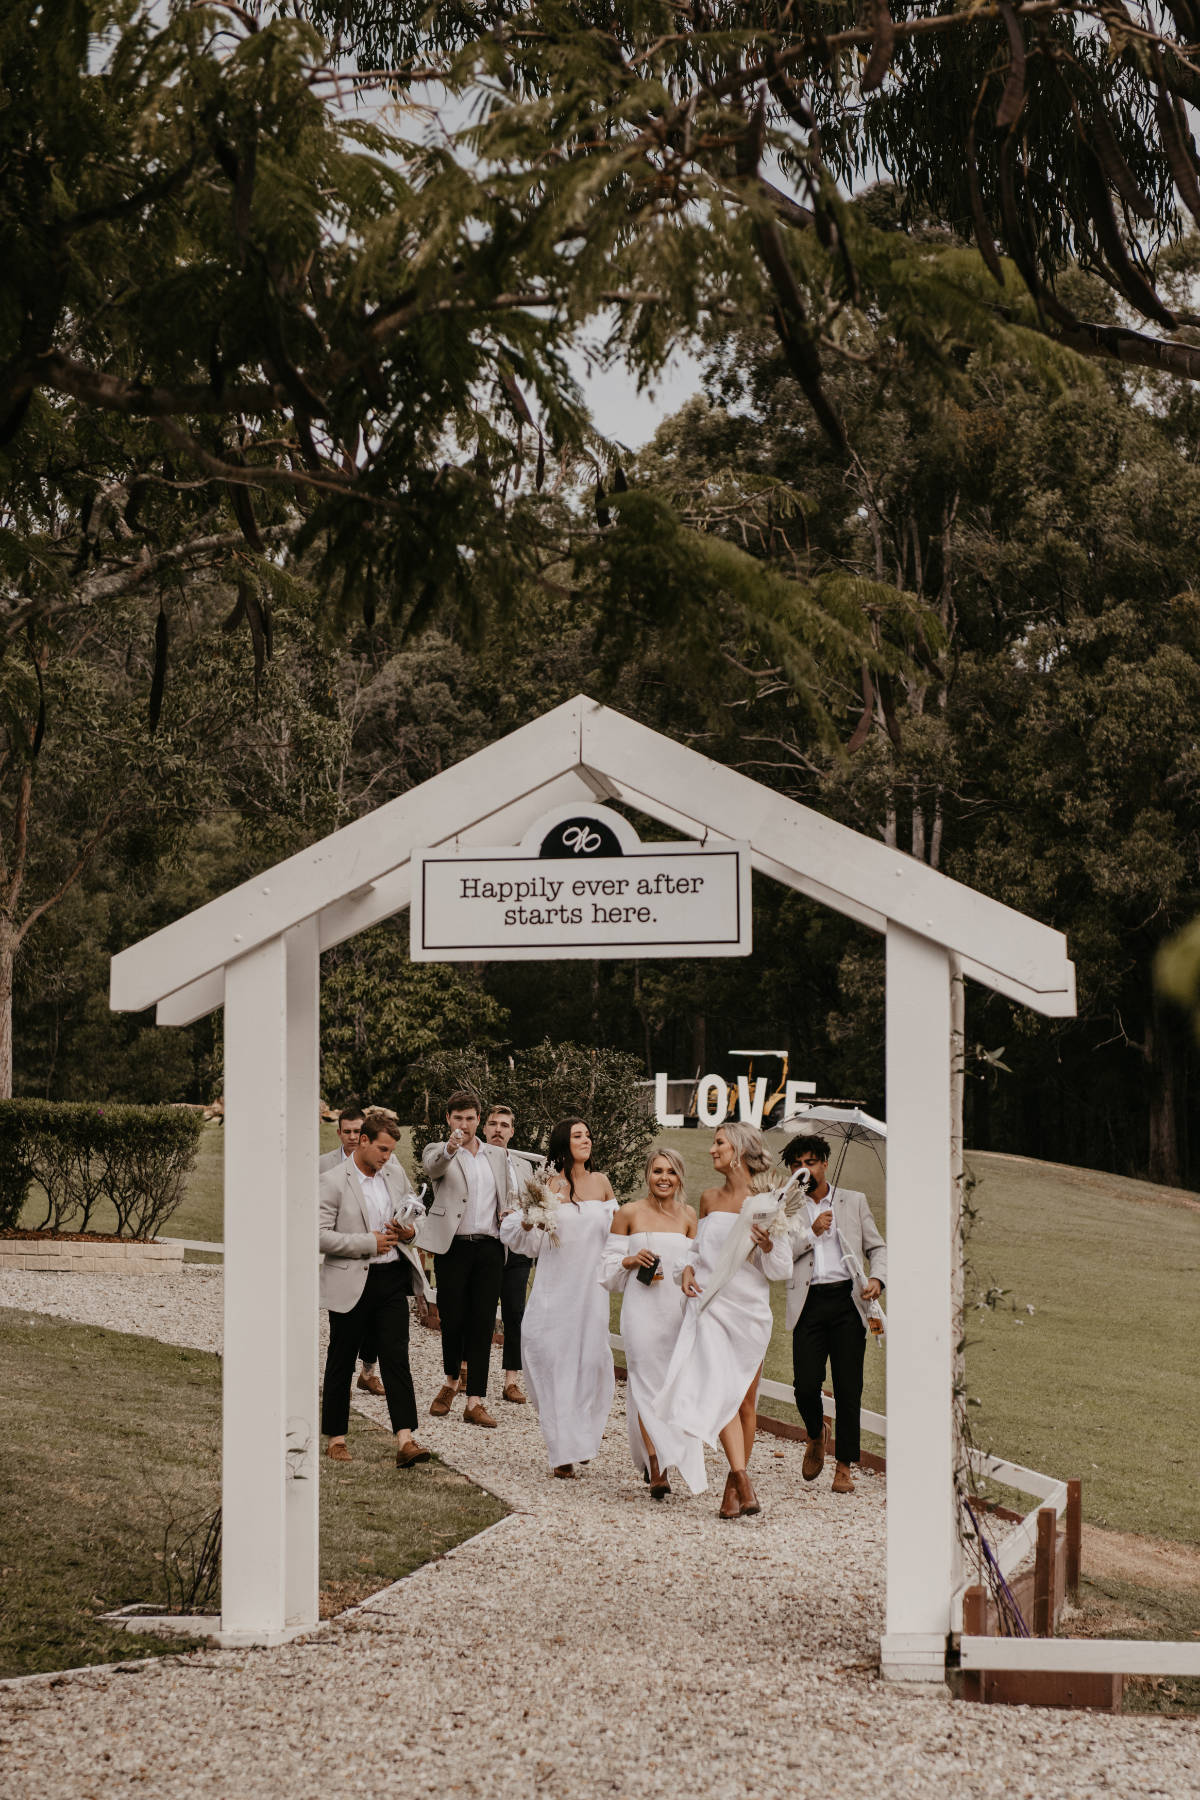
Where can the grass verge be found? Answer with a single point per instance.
(109, 1436)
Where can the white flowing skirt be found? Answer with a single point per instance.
(718, 1351)
(651, 1317)
(565, 1352)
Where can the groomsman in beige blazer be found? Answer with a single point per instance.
(833, 1237)
(369, 1273)
(349, 1124)
(473, 1187)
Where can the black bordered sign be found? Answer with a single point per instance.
(581, 884)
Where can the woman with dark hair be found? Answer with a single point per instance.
(711, 1386)
(564, 1336)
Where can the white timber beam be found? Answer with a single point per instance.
(854, 870)
(255, 1383)
(347, 861)
(390, 892)
(921, 1536)
(1081, 1656)
(302, 1307)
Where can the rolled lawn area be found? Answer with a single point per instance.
(110, 1437)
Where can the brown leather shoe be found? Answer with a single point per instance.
(814, 1454)
(444, 1399)
(564, 1472)
(512, 1392)
(842, 1482)
(479, 1415)
(747, 1498)
(337, 1452)
(730, 1507)
(411, 1453)
(370, 1384)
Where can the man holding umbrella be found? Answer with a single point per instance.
(833, 1240)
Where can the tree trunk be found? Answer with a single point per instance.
(1162, 1056)
(6, 994)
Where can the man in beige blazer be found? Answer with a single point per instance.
(370, 1271)
(472, 1187)
(349, 1124)
(833, 1236)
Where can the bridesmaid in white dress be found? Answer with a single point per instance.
(565, 1352)
(656, 1230)
(711, 1386)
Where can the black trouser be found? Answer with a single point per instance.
(830, 1329)
(368, 1349)
(383, 1308)
(469, 1275)
(513, 1290)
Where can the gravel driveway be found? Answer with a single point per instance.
(593, 1644)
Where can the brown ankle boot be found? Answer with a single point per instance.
(730, 1505)
(747, 1498)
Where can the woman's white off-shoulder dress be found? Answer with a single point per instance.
(565, 1352)
(718, 1351)
(651, 1316)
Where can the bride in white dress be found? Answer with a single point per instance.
(565, 1351)
(656, 1233)
(710, 1389)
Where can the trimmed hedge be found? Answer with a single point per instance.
(137, 1158)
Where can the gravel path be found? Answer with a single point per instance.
(591, 1645)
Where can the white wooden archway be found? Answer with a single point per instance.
(256, 951)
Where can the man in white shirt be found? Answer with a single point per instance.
(368, 1275)
(827, 1306)
(472, 1187)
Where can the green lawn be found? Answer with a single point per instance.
(109, 1436)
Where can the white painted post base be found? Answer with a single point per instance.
(921, 1537)
(271, 1433)
(913, 1656)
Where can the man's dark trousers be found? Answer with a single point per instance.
(469, 1278)
(513, 1291)
(831, 1330)
(383, 1308)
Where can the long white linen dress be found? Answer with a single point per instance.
(565, 1351)
(651, 1316)
(718, 1351)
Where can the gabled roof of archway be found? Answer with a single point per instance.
(581, 750)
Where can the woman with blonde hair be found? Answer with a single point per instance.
(711, 1385)
(649, 1245)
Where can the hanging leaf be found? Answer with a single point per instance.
(1176, 142)
(159, 679)
(620, 484)
(539, 476)
(603, 516)
(1127, 276)
(244, 514)
(882, 48)
(1112, 161)
(1013, 97)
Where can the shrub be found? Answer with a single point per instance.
(542, 1085)
(136, 1157)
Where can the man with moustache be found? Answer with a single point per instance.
(369, 1273)
(473, 1186)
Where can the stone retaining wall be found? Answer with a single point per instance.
(67, 1256)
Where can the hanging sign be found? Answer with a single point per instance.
(581, 884)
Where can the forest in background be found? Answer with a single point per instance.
(921, 555)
